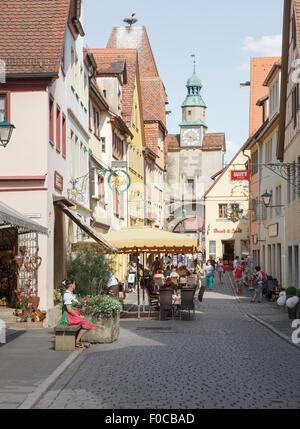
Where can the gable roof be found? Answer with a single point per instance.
(113, 59)
(153, 91)
(32, 35)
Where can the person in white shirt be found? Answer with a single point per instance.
(71, 312)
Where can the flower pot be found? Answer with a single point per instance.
(29, 319)
(107, 330)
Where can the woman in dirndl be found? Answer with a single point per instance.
(71, 312)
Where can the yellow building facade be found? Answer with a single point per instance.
(226, 213)
(135, 162)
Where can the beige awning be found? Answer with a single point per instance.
(150, 240)
(103, 246)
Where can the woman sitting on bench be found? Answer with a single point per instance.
(71, 313)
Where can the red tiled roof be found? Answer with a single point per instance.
(32, 34)
(153, 102)
(154, 96)
(113, 56)
(112, 67)
(214, 141)
(173, 142)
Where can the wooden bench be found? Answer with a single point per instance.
(65, 336)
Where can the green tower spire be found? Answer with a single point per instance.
(194, 86)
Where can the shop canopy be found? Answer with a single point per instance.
(10, 218)
(145, 240)
(102, 244)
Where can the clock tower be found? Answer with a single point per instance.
(193, 126)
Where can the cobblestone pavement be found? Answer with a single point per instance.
(222, 359)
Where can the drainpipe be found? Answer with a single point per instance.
(249, 196)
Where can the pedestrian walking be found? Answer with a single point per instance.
(258, 284)
(238, 278)
(220, 270)
(209, 274)
(236, 261)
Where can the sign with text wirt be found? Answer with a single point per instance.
(240, 175)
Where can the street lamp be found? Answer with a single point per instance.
(266, 197)
(6, 129)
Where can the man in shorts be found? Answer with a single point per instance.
(238, 278)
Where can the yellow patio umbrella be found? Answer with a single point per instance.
(143, 240)
(150, 240)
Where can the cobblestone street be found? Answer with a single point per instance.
(222, 359)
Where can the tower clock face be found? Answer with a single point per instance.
(191, 137)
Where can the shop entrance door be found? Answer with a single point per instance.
(228, 251)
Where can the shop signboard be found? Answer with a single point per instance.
(240, 175)
(58, 181)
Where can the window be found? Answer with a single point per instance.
(81, 84)
(101, 193)
(76, 65)
(104, 92)
(64, 136)
(278, 201)
(51, 120)
(4, 107)
(63, 59)
(58, 128)
(103, 144)
(189, 113)
(73, 68)
(294, 31)
(294, 180)
(288, 184)
(85, 91)
(72, 155)
(222, 211)
(254, 163)
(295, 104)
(212, 249)
(97, 124)
(268, 152)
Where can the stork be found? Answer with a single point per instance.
(131, 20)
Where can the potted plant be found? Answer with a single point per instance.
(104, 313)
(90, 272)
(292, 302)
(3, 302)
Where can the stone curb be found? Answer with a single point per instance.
(280, 334)
(36, 395)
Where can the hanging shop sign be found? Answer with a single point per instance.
(240, 175)
(119, 181)
(58, 181)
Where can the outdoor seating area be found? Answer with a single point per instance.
(173, 297)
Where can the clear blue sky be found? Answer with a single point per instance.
(222, 34)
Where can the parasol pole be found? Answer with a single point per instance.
(138, 282)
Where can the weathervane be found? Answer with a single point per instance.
(131, 20)
(194, 56)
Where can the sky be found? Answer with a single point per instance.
(223, 35)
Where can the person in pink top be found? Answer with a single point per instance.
(238, 277)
